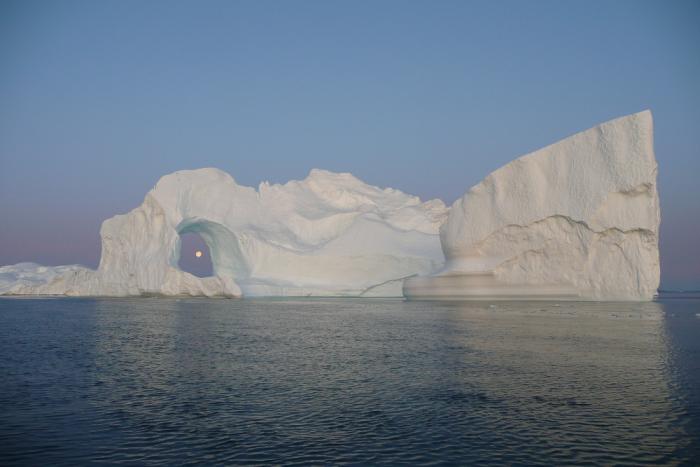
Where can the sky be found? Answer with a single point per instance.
(100, 99)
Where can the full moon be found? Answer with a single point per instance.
(198, 254)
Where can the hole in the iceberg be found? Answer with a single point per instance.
(194, 255)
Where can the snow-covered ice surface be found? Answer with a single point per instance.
(328, 235)
(578, 219)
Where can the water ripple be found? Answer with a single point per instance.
(300, 382)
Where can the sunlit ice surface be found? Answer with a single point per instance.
(348, 381)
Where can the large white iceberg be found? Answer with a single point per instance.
(330, 234)
(578, 219)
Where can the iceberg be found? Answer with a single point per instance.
(575, 220)
(328, 235)
(26, 278)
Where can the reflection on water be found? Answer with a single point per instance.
(348, 381)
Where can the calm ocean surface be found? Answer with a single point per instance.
(344, 381)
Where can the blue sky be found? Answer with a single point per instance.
(99, 99)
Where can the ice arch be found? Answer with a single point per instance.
(194, 256)
(224, 250)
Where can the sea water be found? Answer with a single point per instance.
(348, 381)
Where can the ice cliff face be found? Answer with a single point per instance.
(330, 234)
(578, 219)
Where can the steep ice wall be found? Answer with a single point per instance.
(329, 234)
(578, 219)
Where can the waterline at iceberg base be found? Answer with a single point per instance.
(576, 220)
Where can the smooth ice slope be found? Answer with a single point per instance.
(330, 234)
(578, 219)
